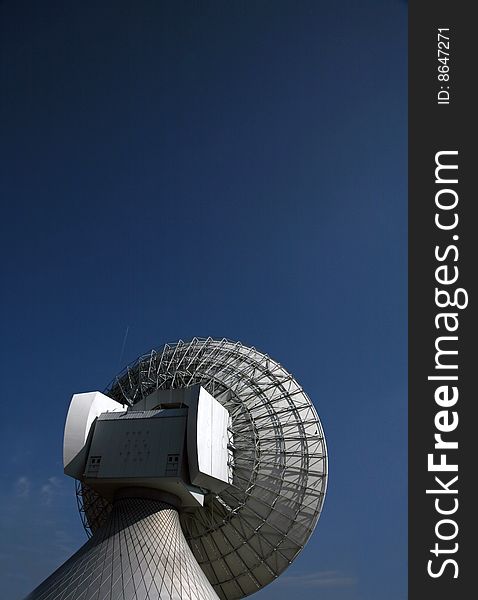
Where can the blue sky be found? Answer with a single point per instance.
(203, 168)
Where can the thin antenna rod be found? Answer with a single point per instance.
(123, 347)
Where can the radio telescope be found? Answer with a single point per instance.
(201, 472)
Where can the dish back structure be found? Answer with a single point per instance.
(245, 536)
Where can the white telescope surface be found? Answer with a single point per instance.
(84, 409)
(230, 426)
(252, 528)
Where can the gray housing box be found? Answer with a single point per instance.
(145, 444)
(207, 437)
(175, 441)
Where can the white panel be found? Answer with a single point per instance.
(84, 408)
(207, 439)
(204, 432)
(220, 438)
(212, 420)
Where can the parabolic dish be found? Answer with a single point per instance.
(248, 534)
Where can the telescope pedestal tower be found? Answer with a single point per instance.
(139, 553)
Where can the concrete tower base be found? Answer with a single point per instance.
(140, 553)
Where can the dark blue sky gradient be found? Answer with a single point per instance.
(202, 168)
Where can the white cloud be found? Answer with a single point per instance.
(22, 487)
(49, 489)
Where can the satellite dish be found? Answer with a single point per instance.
(247, 487)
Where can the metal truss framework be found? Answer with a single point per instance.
(244, 537)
